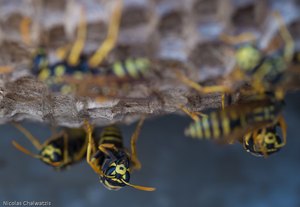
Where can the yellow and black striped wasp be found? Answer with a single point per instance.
(110, 160)
(59, 151)
(75, 66)
(254, 119)
(263, 69)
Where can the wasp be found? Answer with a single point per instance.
(110, 160)
(252, 121)
(263, 70)
(236, 120)
(77, 66)
(265, 141)
(59, 151)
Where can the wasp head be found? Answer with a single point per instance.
(117, 174)
(51, 155)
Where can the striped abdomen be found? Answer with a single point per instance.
(234, 121)
(111, 135)
(216, 125)
(134, 68)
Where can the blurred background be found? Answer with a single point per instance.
(186, 172)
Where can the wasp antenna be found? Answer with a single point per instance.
(29, 136)
(139, 187)
(24, 150)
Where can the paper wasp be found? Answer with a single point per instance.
(59, 151)
(77, 66)
(263, 70)
(236, 120)
(110, 160)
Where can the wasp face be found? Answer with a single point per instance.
(268, 144)
(117, 174)
(248, 57)
(272, 142)
(51, 155)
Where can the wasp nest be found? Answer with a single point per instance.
(165, 31)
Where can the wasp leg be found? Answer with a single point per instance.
(80, 41)
(111, 38)
(258, 141)
(83, 150)
(223, 100)
(29, 136)
(103, 148)
(283, 126)
(66, 148)
(91, 149)
(134, 158)
(201, 89)
(25, 30)
(238, 39)
(193, 115)
(53, 137)
(287, 37)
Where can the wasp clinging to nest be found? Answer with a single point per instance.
(110, 160)
(59, 151)
(75, 66)
(252, 122)
(263, 69)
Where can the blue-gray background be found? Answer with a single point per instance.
(186, 172)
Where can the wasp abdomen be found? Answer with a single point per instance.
(111, 135)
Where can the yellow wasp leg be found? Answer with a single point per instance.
(287, 37)
(238, 39)
(103, 148)
(83, 150)
(29, 136)
(283, 126)
(91, 149)
(136, 163)
(25, 30)
(201, 89)
(79, 43)
(111, 38)
(66, 149)
(193, 115)
(263, 149)
(223, 101)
